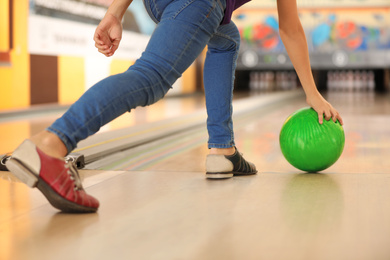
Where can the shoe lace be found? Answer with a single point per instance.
(74, 174)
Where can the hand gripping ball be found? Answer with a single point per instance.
(308, 145)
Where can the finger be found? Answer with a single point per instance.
(106, 53)
(109, 53)
(102, 47)
(334, 116)
(340, 120)
(104, 50)
(328, 115)
(97, 39)
(115, 45)
(96, 36)
(320, 118)
(112, 50)
(99, 46)
(103, 39)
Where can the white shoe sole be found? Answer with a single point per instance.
(213, 175)
(22, 173)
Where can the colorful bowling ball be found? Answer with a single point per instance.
(308, 145)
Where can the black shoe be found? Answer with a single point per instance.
(226, 166)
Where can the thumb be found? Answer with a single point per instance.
(115, 45)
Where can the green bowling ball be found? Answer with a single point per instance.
(309, 146)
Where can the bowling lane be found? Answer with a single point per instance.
(17, 125)
(367, 139)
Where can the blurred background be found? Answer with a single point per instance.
(348, 40)
(47, 55)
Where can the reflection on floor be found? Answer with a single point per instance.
(162, 207)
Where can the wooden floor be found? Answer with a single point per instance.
(168, 210)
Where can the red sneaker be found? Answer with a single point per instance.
(57, 179)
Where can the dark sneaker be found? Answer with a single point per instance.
(57, 179)
(226, 166)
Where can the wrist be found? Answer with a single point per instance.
(118, 8)
(313, 91)
(113, 15)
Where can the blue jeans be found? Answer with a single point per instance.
(184, 28)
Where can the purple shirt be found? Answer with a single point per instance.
(232, 5)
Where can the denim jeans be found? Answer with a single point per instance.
(184, 28)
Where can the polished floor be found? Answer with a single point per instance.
(157, 204)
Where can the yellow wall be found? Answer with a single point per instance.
(71, 79)
(119, 66)
(14, 84)
(4, 26)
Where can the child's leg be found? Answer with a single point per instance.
(219, 71)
